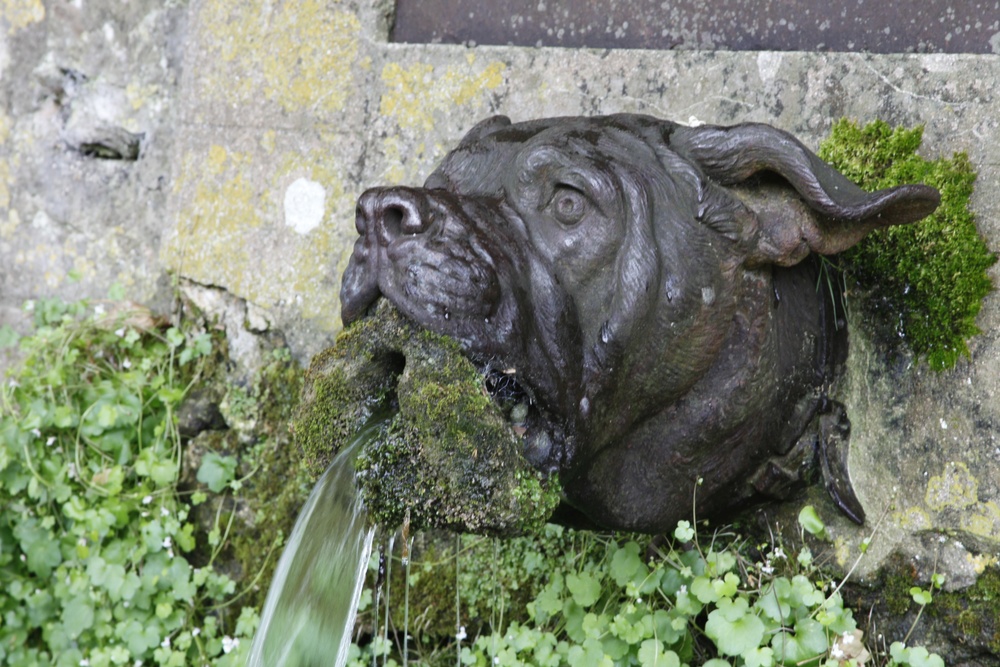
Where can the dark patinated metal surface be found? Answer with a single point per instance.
(653, 289)
(877, 26)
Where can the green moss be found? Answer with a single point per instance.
(973, 613)
(278, 485)
(897, 580)
(924, 282)
(447, 459)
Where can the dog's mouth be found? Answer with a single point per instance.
(515, 399)
(501, 381)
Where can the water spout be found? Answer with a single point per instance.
(310, 608)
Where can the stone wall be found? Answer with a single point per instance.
(255, 125)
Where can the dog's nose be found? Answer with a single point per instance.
(391, 213)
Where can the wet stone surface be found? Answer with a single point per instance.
(932, 26)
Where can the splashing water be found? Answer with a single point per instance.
(309, 613)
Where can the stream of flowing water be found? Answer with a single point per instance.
(309, 613)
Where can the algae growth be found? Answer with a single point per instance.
(447, 459)
(924, 282)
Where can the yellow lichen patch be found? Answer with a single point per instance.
(983, 519)
(980, 562)
(216, 159)
(18, 14)
(8, 226)
(955, 488)
(4, 127)
(232, 232)
(140, 95)
(6, 180)
(267, 141)
(300, 55)
(409, 166)
(912, 519)
(414, 93)
(209, 243)
(843, 552)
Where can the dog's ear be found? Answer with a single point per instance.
(839, 213)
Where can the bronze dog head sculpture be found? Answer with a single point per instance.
(651, 287)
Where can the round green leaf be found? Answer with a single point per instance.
(733, 627)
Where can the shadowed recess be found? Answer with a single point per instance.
(896, 26)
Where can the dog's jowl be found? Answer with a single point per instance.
(652, 288)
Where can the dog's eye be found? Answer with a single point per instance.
(568, 205)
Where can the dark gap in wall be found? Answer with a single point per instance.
(876, 26)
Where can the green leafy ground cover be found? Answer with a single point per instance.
(924, 283)
(99, 561)
(577, 598)
(102, 562)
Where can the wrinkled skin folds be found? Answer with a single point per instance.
(651, 286)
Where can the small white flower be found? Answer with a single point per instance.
(13, 384)
(694, 122)
(85, 663)
(23, 558)
(496, 660)
(137, 663)
(35, 432)
(836, 652)
(29, 306)
(229, 643)
(848, 637)
(638, 600)
(147, 500)
(195, 632)
(167, 542)
(99, 309)
(170, 553)
(165, 643)
(164, 511)
(82, 541)
(460, 635)
(120, 332)
(143, 514)
(126, 364)
(51, 439)
(72, 471)
(778, 553)
(682, 590)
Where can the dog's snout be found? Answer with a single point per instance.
(392, 213)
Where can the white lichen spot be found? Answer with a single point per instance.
(305, 204)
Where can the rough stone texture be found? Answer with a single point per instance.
(74, 79)
(286, 109)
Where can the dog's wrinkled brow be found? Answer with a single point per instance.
(543, 168)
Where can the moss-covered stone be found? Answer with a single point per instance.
(972, 614)
(447, 459)
(963, 624)
(276, 484)
(924, 282)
